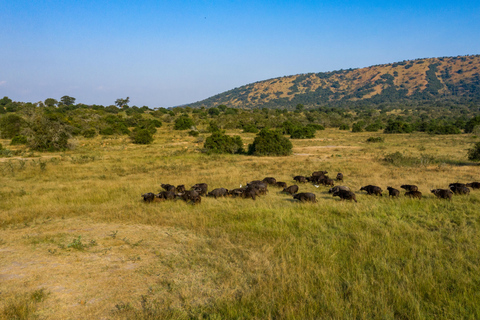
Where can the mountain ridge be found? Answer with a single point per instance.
(423, 79)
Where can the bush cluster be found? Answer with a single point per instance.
(219, 142)
(270, 143)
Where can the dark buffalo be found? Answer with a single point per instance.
(409, 187)
(166, 195)
(237, 192)
(270, 180)
(305, 196)
(249, 193)
(372, 190)
(442, 193)
(345, 195)
(299, 179)
(180, 188)
(326, 181)
(292, 189)
(414, 194)
(219, 192)
(148, 197)
(201, 188)
(168, 187)
(281, 184)
(338, 188)
(262, 187)
(339, 176)
(191, 195)
(459, 189)
(392, 192)
(473, 185)
(319, 173)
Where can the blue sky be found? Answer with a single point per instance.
(168, 53)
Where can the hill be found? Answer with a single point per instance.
(446, 78)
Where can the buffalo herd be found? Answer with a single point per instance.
(257, 188)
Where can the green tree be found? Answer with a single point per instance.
(474, 152)
(219, 142)
(50, 102)
(183, 122)
(67, 100)
(10, 126)
(471, 124)
(46, 133)
(122, 103)
(303, 133)
(270, 143)
(141, 136)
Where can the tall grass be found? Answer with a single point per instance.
(235, 258)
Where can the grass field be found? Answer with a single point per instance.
(78, 242)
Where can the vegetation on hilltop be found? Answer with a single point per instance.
(443, 79)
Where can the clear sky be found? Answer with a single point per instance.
(168, 53)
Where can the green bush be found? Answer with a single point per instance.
(344, 127)
(193, 133)
(250, 127)
(183, 122)
(221, 143)
(141, 136)
(10, 126)
(270, 143)
(474, 152)
(17, 140)
(46, 133)
(316, 126)
(357, 127)
(107, 131)
(375, 139)
(396, 126)
(303, 133)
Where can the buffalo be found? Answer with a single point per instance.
(180, 188)
(148, 197)
(168, 187)
(345, 195)
(442, 193)
(459, 189)
(414, 194)
(392, 192)
(305, 197)
(326, 181)
(219, 192)
(319, 173)
(339, 176)
(237, 192)
(281, 184)
(338, 188)
(409, 187)
(166, 195)
(299, 179)
(201, 188)
(372, 190)
(191, 195)
(473, 185)
(258, 185)
(270, 180)
(249, 193)
(292, 189)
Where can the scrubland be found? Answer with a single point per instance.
(78, 242)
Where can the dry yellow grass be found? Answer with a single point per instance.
(78, 229)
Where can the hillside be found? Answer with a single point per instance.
(415, 80)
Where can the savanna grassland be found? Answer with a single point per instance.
(78, 242)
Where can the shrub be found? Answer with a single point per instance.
(396, 126)
(250, 127)
(46, 134)
(303, 133)
(193, 133)
(183, 122)
(474, 152)
(344, 127)
(107, 131)
(375, 139)
(221, 143)
(270, 143)
(11, 126)
(316, 126)
(357, 127)
(373, 127)
(19, 139)
(141, 136)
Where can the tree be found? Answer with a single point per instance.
(46, 134)
(474, 152)
(50, 102)
(219, 142)
(10, 126)
(183, 122)
(122, 103)
(141, 136)
(270, 143)
(66, 100)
